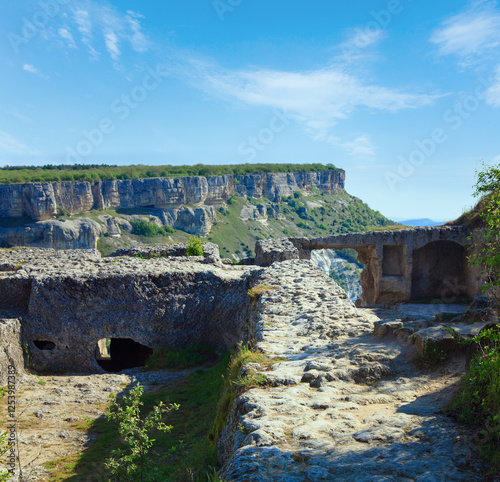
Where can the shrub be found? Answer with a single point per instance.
(149, 230)
(4, 448)
(134, 462)
(478, 400)
(194, 246)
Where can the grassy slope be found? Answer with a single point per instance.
(195, 455)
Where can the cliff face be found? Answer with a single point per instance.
(42, 201)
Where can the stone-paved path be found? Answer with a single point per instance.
(346, 405)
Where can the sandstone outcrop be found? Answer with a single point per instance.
(42, 201)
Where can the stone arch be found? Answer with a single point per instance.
(439, 272)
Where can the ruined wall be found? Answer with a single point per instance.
(69, 300)
(398, 264)
(45, 200)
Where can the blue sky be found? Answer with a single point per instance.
(404, 95)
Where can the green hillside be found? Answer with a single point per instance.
(317, 214)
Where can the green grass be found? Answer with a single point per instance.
(180, 358)
(192, 435)
(96, 172)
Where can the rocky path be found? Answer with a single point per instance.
(344, 405)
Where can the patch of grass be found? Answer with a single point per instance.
(478, 401)
(194, 457)
(234, 381)
(256, 292)
(180, 358)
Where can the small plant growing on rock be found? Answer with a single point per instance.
(194, 246)
(4, 447)
(134, 461)
(257, 291)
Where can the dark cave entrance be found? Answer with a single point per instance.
(438, 272)
(117, 354)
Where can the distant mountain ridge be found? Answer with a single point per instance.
(423, 222)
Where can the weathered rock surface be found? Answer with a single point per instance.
(340, 403)
(11, 353)
(45, 200)
(69, 300)
(81, 233)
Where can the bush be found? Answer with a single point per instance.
(194, 246)
(149, 230)
(478, 400)
(134, 462)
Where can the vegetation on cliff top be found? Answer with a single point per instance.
(104, 172)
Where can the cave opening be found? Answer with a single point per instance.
(44, 344)
(117, 354)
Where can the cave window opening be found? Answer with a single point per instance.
(44, 344)
(117, 354)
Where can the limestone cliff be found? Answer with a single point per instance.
(42, 201)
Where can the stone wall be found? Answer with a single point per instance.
(42, 201)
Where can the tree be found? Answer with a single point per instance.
(487, 255)
(134, 462)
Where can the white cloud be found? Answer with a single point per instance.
(359, 148)
(30, 68)
(317, 98)
(138, 40)
(471, 33)
(101, 26)
(66, 35)
(111, 40)
(33, 70)
(10, 145)
(82, 20)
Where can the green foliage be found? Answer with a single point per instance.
(433, 356)
(478, 400)
(134, 462)
(180, 358)
(194, 246)
(487, 259)
(150, 230)
(96, 172)
(4, 448)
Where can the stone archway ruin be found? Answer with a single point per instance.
(399, 265)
